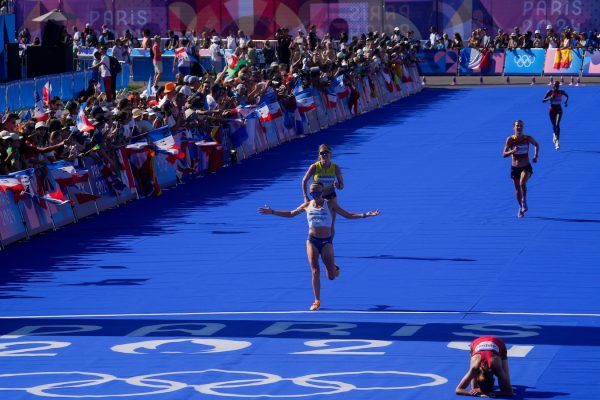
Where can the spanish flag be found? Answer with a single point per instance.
(563, 58)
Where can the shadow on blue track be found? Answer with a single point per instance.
(524, 392)
(140, 218)
(248, 328)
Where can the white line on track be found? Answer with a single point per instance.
(341, 312)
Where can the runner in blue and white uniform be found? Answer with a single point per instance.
(319, 213)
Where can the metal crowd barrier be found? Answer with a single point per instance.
(523, 62)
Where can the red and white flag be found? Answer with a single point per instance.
(57, 198)
(11, 184)
(47, 92)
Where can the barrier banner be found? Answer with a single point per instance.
(127, 191)
(438, 62)
(99, 175)
(13, 96)
(167, 153)
(524, 62)
(591, 63)
(27, 94)
(37, 216)
(75, 186)
(487, 62)
(60, 208)
(563, 61)
(11, 223)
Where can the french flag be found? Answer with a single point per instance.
(388, 80)
(331, 98)
(56, 197)
(40, 113)
(305, 101)
(11, 184)
(340, 88)
(263, 113)
(270, 99)
(46, 92)
(83, 123)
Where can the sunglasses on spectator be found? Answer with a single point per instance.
(324, 153)
(314, 195)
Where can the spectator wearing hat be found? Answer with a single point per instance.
(552, 40)
(216, 58)
(141, 121)
(4, 169)
(513, 41)
(397, 36)
(102, 64)
(10, 152)
(538, 40)
(157, 59)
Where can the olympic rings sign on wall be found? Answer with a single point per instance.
(169, 382)
(524, 60)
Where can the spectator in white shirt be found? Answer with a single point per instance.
(216, 58)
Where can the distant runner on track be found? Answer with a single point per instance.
(517, 146)
(320, 213)
(488, 359)
(555, 96)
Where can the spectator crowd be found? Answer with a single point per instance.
(481, 38)
(199, 99)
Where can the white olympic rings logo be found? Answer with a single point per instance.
(77, 379)
(524, 60)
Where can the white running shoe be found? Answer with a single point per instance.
(557, 145)
(524, 207)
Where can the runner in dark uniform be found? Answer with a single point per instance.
(555, 96)
(517, 146)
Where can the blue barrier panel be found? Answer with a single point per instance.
(143, 68)
(565, 62)
(438, 62)
(124, 75)
(591, 63)
(13, 96)
(100, 185)
(67, 86)
(2, 97)
(27, 93)
(11, 223)
(165, 171)
(79, 82)
(475, 62)
(36, 214)
(56, 82)
(524, 62)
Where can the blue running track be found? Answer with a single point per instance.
(194, 295)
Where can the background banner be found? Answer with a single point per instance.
(524, 62)
(438, 62)
(591, 63)
(261, 18)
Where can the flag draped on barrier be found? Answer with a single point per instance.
(563, 58)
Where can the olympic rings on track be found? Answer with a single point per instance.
(218, 388)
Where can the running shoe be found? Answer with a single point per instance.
(315, 306)
(557, 145)
(521, 213)
(554, 140)
(524, 207)
(337, 271)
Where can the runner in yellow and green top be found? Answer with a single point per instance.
(328, 174)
